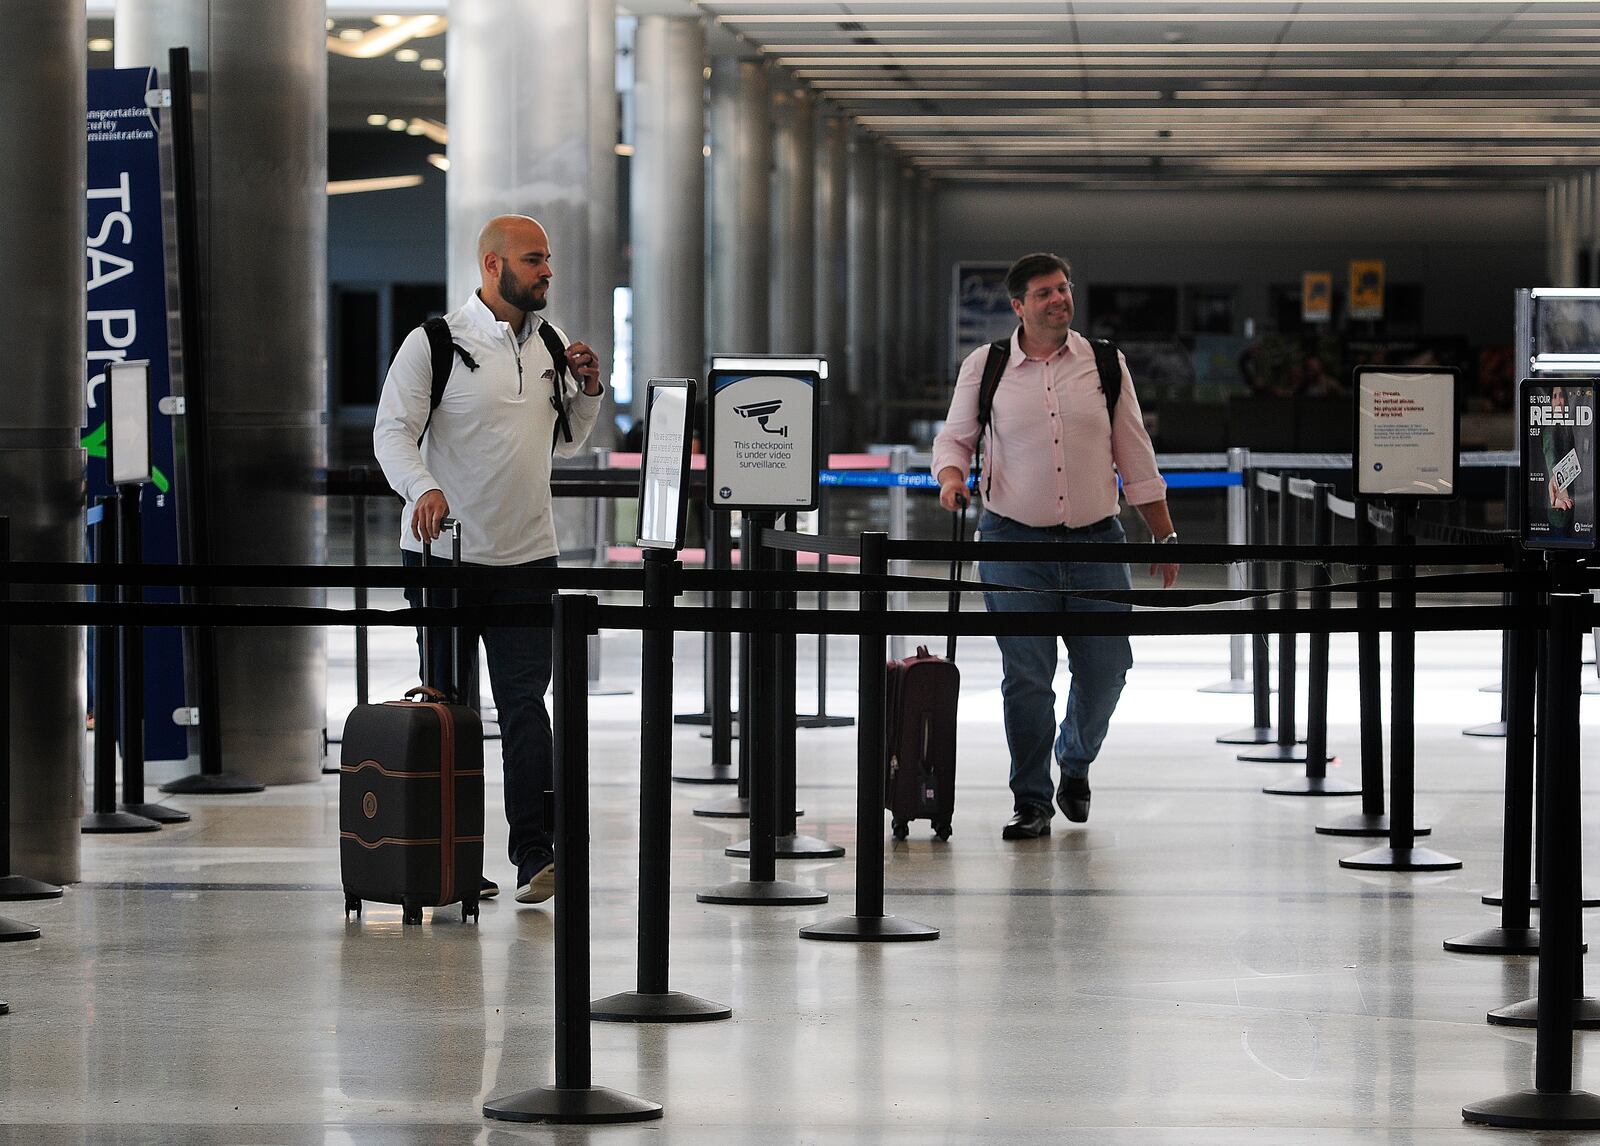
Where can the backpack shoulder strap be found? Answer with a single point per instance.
(558, 359)
(1105, 361)
(993, 367)
(442, 349)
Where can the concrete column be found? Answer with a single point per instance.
(43, 174)
(933, 309)
(741, 173)
(886, 380)
(604, 253)
(668, 202)
(861, 272)
(831, 314)
(910, 379)
(794, 230)
(261, 139)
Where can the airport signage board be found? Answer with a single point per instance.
(1366, 288)
(1558, 463)
(764, 446)
(1407, 428)
(1316, 296)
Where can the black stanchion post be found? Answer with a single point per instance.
(130, 657)
(103, 815)
(870, 924)
(717, 670)
(653, 1002)
(358, 538)
(758, 753)
(1515, 935)
(821, 718)
(790, 844)
(1552, 1103)
(12, 887)
(1286, 749)
(1402, 854)
(1315, 782)
(737, 806)
(1260, 732)
(211, 780)
(574, 1098)
(1499, 727)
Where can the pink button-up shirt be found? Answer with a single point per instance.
(1052, 456)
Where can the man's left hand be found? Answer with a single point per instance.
(585, 364)
(1167, 573)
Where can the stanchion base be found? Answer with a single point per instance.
(869, 929)
(1538, 1110)
(1496, 941)
(584, 1106)
(1313, 786)
(12, 931)
(712, 774)
(692, 718)
(1496, 729)
(14, 888)
(596, 690)
(1228, 687)
(666, 1007)
(96, 823)
(757, 892)
(160, 813)
(1249, 736)
(330, 769)
(206, 784)
(734, 808)
(5, 1008)
(1403, 859)
(1496, 898)
(1276, 754)
(790, 848)
(1364, 824)
(1585, 1014)
(823, 720)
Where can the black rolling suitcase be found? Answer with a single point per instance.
(411, 798)
(920, 725)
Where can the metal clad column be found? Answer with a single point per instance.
(598, 329)
(668, 201)
(831, 313)
(861, 274)
(741, 167)
(261, 138)
(794, 209)
(885, 377)
(906, 273)
(43, 174)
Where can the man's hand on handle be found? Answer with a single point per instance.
(952, 489)
(585, 363)
(432, 508)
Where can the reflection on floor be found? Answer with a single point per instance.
(1191, 966)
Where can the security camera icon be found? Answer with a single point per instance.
(761, 411)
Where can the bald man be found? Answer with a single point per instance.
(518, 390)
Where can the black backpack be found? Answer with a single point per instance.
(1105, 363)
(444, 350)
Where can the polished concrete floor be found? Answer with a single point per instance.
(1191, 966)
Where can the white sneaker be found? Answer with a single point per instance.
(539, 887)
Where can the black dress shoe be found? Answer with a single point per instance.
(1028, 824)
(1073, 798)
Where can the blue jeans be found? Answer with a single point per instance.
(519, 671)
(1098, 665)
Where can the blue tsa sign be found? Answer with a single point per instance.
(763, 431)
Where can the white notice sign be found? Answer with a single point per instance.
(763, 452)
(663, 471)
(1406, 431)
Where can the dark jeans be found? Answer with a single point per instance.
(519, 671)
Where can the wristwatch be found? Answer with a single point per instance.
(1169, 538)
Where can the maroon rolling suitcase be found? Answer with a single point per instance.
(411, 800)
(920, 727)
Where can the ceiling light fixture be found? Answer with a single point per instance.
(100, 45)
(397, 124)
(432, 64)
(439, 161)
(432, 129)
(381, 41)
(377, 119)
(407, 55)
(379, 183)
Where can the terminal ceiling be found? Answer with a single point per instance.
(1138, 93)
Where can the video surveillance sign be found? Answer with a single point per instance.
(763, 434)
(1558, 464)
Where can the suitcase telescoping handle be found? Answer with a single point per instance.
(448, 688)
(960, 535)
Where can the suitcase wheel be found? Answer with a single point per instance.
(902, 829)
(410, 911)
(941, 831)
(352, 903)
(469, 909)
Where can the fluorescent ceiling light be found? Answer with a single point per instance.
(397, 124)
(431, 128)
(432, 64)
(439, 161)
(381, 41)
(100, 45)
(379, 183)
(377, 119)
(407, 55)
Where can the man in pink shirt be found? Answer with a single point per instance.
(1053, 450)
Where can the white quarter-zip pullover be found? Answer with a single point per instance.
(488, 447)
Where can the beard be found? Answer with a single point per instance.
(519, 296)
